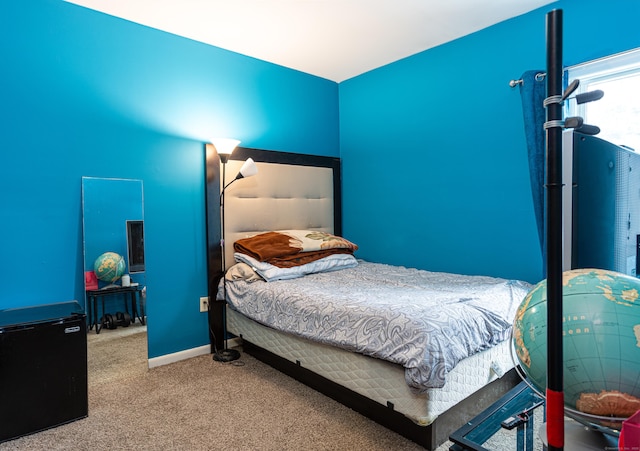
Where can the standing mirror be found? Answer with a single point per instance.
(113, 222)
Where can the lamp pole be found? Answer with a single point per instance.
(248, 169)
(226, 354)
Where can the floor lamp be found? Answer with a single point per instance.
(225, 147)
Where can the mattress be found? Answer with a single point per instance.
(377, 379)
(425, 321)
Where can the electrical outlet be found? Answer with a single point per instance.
(204, 304)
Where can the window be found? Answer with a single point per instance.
(603, 206)
(618, 112)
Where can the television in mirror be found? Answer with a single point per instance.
(135, 246)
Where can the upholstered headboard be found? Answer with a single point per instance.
(290, 191)
(279, 197)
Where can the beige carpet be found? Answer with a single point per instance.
(116, 354)
(199, 404)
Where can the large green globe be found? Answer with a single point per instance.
(601, 343)
(109, 266)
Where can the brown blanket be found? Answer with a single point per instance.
(284, 251)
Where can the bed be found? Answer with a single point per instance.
(425, 403)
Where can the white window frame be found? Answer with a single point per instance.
(610, 68)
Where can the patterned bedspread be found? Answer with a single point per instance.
(424, 321)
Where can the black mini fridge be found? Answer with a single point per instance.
(43, 368)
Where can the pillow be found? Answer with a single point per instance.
(270, 272)
(242, 271)
(313, 240)
(239, 271)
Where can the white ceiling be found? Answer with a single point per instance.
(333, 39)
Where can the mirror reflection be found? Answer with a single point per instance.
(114, 264)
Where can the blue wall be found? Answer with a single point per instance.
(86, 94)
(435, 172)
(434, 161)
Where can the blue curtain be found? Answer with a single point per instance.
(533, 93)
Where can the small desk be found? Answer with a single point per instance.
(476, 432)
(94, 295)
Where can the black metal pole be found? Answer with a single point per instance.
(555, 395)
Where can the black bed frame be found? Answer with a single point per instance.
(430, 436)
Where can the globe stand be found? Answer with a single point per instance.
(578, 437)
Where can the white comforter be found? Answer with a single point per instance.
(424, 321)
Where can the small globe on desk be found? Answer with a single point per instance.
(109, 267)
(601, 344)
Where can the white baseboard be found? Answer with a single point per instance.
(187, 354)
(177, 356)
